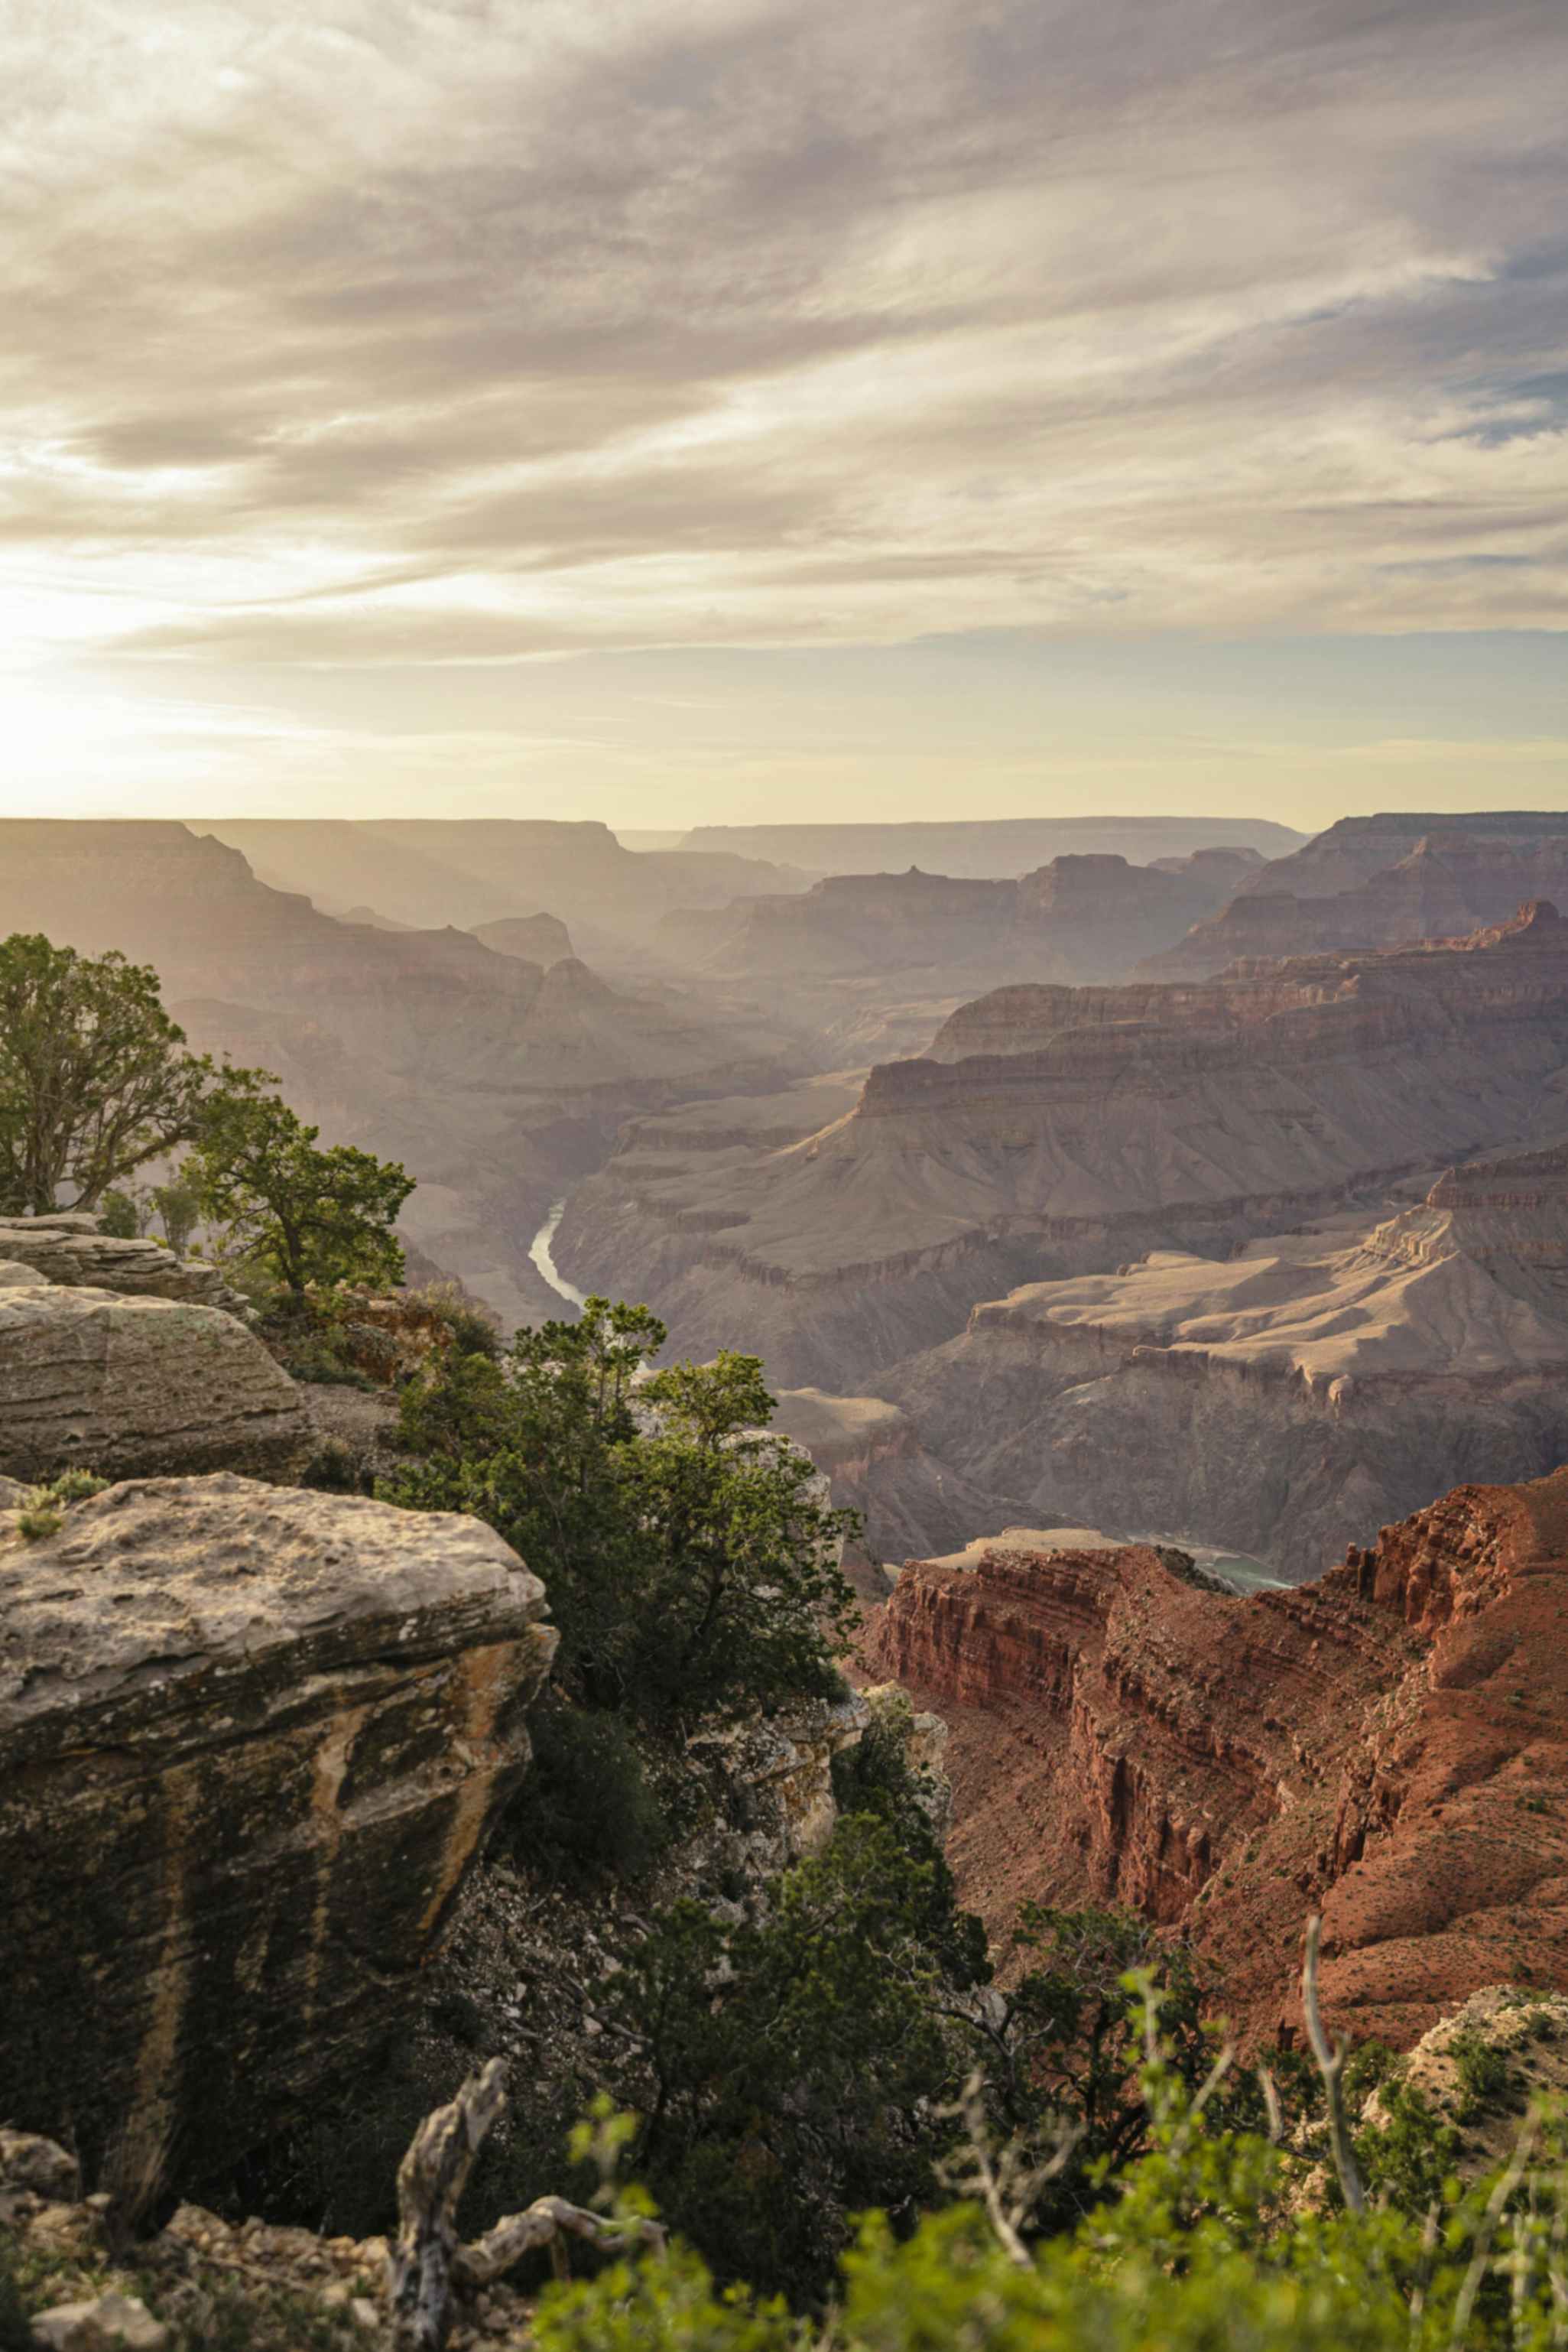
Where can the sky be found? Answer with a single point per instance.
(693, 411)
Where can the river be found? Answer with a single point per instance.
(542, 1252)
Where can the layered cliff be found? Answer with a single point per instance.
(1287, 1400)
(1050, 1131)
(1450, 884)
(873, 963)
(1387, 1745)
(251, 1740)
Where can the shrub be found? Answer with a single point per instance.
(1485, 2076)
(586, 1811)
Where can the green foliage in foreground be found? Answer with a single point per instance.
(691, 1568)
(1209, 2247)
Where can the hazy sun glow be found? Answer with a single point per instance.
(586, 411)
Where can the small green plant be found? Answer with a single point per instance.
(1485, 2076)
(43, 1512)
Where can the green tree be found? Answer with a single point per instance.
(691, 1563)
(179, 1207)
(1063, 2051)
(94, 1077)
(302, 1213)
(793, 2070)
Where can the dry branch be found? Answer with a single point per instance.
(427, 2260)
(1331, 2067)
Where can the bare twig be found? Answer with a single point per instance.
(543, 2224)
(1271, 2100)
(430, 2183)
(1331, 2067)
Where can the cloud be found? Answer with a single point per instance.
(418, 330)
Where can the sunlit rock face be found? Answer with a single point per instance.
(251, 1740)
(1385, 1745)
(136, 1387)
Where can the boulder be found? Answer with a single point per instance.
(251, 1740)
(108, 2323)
(133, 1387)
(69, 1248)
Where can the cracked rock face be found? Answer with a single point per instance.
(251, 1740)
(69, 1248)
(136, 1386)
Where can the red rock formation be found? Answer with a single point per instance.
(1389, 1745)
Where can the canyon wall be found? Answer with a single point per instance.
(1287, 1400)
(1053, 1130)
(495, 1081)
(1387, 1745)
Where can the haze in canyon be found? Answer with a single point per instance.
(783, 1173)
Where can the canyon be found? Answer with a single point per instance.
(871, 963)
(1385, 1745)
(1286, 1399)
(494, 1079)
(1050, 1131)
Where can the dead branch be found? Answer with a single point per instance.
(430, 2183)
(1331, 2067)
(543, 2224)
(427, 2261)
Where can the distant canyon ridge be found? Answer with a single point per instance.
(1064, 1172)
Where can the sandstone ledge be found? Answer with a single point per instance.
(251, 1739)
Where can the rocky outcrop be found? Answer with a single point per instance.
(1054, 1130)
(1355, 849)
(251, 1740)
(133, 1387)
(1387, 1745)
(1451, 884)
(543, 939)
(1078, 918)
(70, 1248)
(1287, 1400)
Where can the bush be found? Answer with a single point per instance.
(1485, 2076)
(586, 1811)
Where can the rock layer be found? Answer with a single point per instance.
(1054, 1130)
(133, 1387)
(250, 1741)
(1287, 1400)
(1387, 1745)
(70, 1248)
(1451, 883)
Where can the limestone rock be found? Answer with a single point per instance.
(785, 1763)
(69, 1248)
(250, 1741)
(139, 1386)
(109, 2322)
(1521, 2039)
